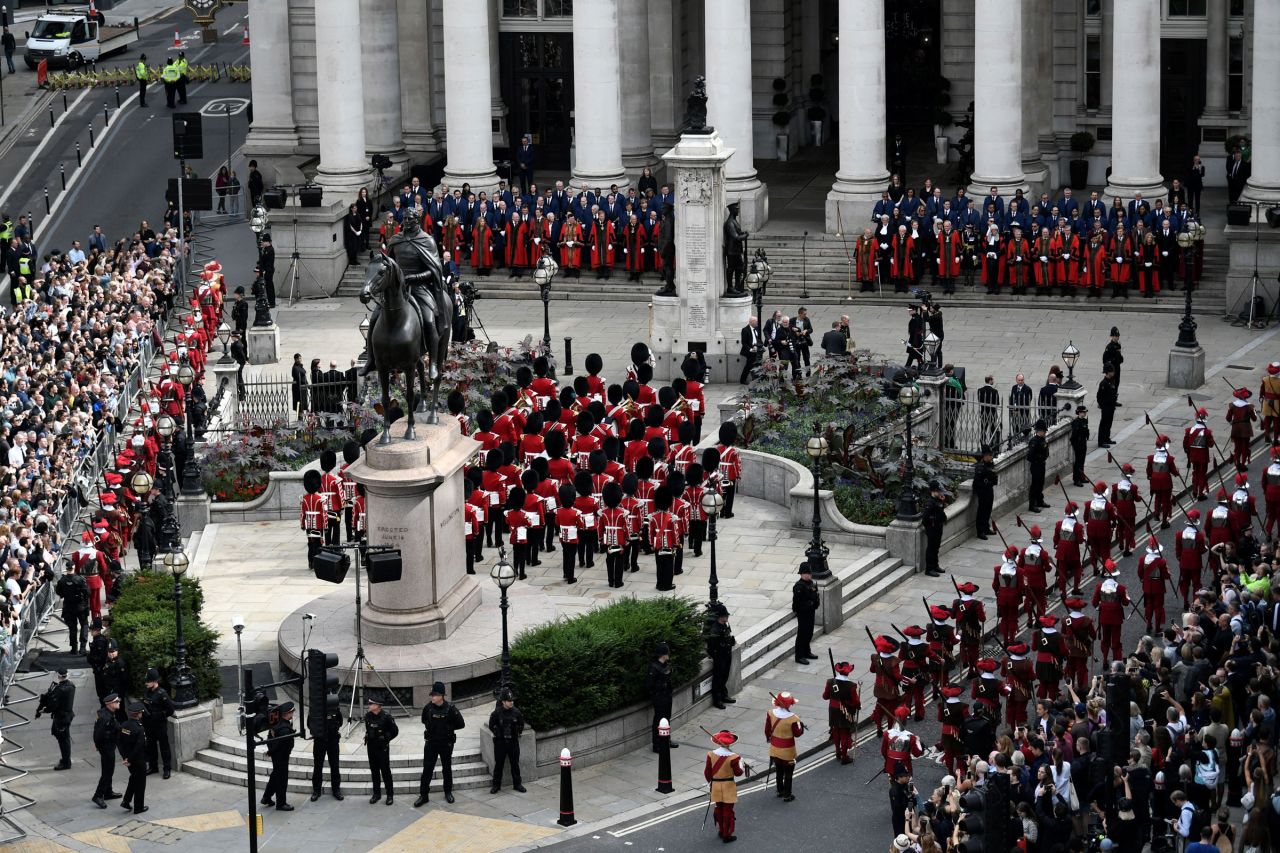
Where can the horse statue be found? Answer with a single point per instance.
(414, 319)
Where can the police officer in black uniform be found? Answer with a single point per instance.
(1111, 354)
(73, 589)
(114, 674)
(1079, 445)
(279, 746)
(97, 657)
(441, 721)
(59, 703)
(106, 728)
(657, 683)
(240, 312)
(984, 489)
(158, 708)
(1037, 456)
(326, 730)
(506, 723)
(379, 730)
(720, 643)
(1107, 402)
(934, 519)
(132, 743)
(804, 603)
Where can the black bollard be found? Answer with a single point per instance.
(117, 97)
(46, 199)
(106, 116)
(62, 173)
(664, 757)
(64, 102)
(79, 158)
(566, 789)
(50, 116)
(90, 136)
(568, 356)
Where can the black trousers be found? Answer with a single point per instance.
(730, 491)
(158, 741)
(1078, 452)
(661, 711)
(615, 562)
(697, 535)
(62, 734)
(380, 769)
(749, 363)
(720, 664)
(142, 93)
(505, 750)
(77, 630)
(313, 548)
(432, 752)
(985, 500)
(332, 532)
(1104, 425)
(801, 355)
(106, 769)
(1037, 486)
(666, 572)
(269, 282)
(278, 781)
(933, 541)
(783, 772)
(804, 634)
(321, 748)
(568, 555)
(135, 793)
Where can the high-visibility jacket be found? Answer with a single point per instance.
(140, 71)
(182, 66)
(170, 74)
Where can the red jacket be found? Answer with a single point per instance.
(1153, 571)
(1190, 548)
(1161, 472)
(1110, 605)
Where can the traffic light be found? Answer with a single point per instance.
(973, 821)
(257, 708)
(322, 690)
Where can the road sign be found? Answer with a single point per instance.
(224, 107)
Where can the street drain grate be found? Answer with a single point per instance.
(146, 831)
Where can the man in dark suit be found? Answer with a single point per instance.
(1237, 175)
(1167, 240)
(524, 162)
(352, 377)
(751, 349)
(834, 343)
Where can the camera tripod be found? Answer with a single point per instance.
(296, 266)
(1253, 319)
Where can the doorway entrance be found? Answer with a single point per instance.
(537, 87)
(1182, 92)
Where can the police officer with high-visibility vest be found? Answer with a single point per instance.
(170, 76)
(183, 73)
(142, 74)
(6, 234)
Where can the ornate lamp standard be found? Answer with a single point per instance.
(712, 504)
(224, 335)
(1070, 355)
(184, 686)
(364, 335)
(757, 281)
(504, 575)
(543, 274)
(1191, 237)
(931, 344)
(909, 398)
(817, 552)
(190, 468)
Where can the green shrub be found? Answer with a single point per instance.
(143, 625)
(572, 671)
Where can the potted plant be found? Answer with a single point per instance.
(1081, 143)
(941, 142)
(816, 112)
(782, 118)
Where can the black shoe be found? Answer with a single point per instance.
(789, 798)
(982, 536)
(284, 807)
(141, 809)
(729, 701)
(315, 795)
(719, 706)
(729, 838)
(390, 800)
(265, 802)
(127, 805)
(448, 797)
(374, 799)
(62, 766)
(493, 789)
(113, 796)
(422, 798)
(337, 795)
(802, 661)
(675, 745)
(811, 656)
(523, 790)
(99, 802)
(167, 773)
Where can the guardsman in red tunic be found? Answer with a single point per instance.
(730, 465)
(693, 492)
(1153, 571)
(1218, 527)
(1017, 261)
(942, 639)
(331, 493)
(1197, 440)
(1034, 564)
(612, 528)
(723, 764)
(781, 728)
(569, 523)
(1242, 509)
(1111, 598)
(1161, 469)
(843, 705)
(1269, 393)
(1190, 548)
(1051, 654)
(1079, 632)
(865, 260)
(348, 487)
(915, 668)
(1068, 534)
(518, 528)
(898, 744)
(1271, 493)
(970, 616)
(1241, 415)
(91, 564)
(888, 685)
(664, 538)
(1007, 584)
(312, 514)
(1099, 519)
(952, 713)
(473, 523)
(988, 689)
(1125, 495)
(1018, 673)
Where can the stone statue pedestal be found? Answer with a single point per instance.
(699, 317)
(1186, 367)
(263, 344)
(414, 494)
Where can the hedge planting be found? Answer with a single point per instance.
(144, 626)
(575, 670)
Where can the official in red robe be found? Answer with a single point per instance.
(1097, 265)
(1149, 267)
(517, 245)
(902, 250)
(1016, 261)
(1043, 265)
(1120, 259)
(865, 260)
(634, 239)
(1065, 250)
(601, 241)
(652, 240)
(950, 250)
(571, 243)
(482, 247)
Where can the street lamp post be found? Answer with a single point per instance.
(712, 504)
(224, 335)
(1070, 355)
(259, 221)
(1190, 239)
(141, 483)
(757, 281)
(908, 397)
(190, 467)
(817, 552)
(166, 426)
(504, 575)
(931, 345)
(364, 335)
(237, 625)
(184, 686)
(543, 274)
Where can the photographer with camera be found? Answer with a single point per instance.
(59, 703)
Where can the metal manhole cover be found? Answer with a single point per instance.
(147, 831)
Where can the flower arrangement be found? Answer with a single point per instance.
(238, 468)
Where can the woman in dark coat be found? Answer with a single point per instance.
(353, 231)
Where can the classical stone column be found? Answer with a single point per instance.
(1135, 101)
(997, 99)
(469, 140)
(380, 66)
(729, 107)
(1264, 112)
(862, 175)
(637, 113)
(664, 97)
(415, 67)
(340, 98)
(597, 100)
(1044, 112)
(1039, 88)
(498, 109)
(1107, 45)
(273, 131)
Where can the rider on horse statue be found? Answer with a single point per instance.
(415, 252)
